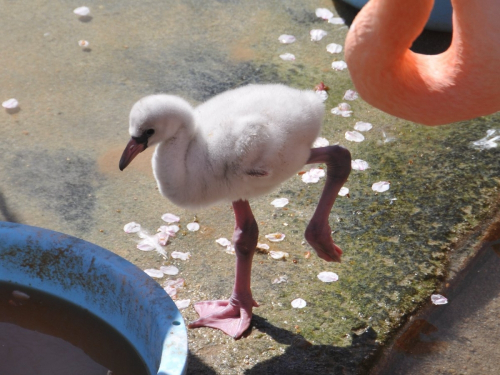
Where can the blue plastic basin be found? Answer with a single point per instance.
(439, 20)
(98, 280)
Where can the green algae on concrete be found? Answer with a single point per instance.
(60, 171)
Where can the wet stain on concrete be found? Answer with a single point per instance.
(62, 181)
(182, 70)
(304, 16)
(107, 163)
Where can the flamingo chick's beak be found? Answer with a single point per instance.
(134, 148)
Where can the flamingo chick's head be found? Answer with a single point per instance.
(154, 119)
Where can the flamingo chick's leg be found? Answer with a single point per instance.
(233, 316)
(318, 232)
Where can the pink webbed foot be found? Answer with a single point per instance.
(318, 232)
(234, 315)
(230, 318)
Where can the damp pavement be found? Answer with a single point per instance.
(60, 153)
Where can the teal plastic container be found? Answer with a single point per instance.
(102, 282)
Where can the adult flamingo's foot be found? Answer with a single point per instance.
(230, 318)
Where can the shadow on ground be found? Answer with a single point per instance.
(196, 366)
(302, 357)
(6, 214)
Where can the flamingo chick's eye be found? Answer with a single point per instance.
(150, 131)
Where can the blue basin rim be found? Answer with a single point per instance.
(104, 283)
(439, 20)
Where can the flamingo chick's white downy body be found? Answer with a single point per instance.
(238, 145)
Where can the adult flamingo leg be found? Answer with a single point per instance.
(233, 316)
(318, 232)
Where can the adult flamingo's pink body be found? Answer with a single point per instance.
(458, 84)
(238, 145)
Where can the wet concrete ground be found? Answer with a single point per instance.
(60, 153)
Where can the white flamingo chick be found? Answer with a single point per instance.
(238, 145)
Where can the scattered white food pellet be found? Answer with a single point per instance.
(354, 136)
(280, 279)
(343, 109)
(359, 165)
(334, 48)
(169, 270)
(182, 304)
(299, 303)
(275, 237)
(223, 241)
(336, 21)
(10, 104)
(162, 238)
(328, 277)
(286, 39)
(146, 245)
(362, 126)
(263, 246)
(279, 202)
(180, 255)
(381, 186)
(287, 57)
(171, 291)
(438, 299)
(313, 176)
(132, 227)
(321, 142)
(351, 95)
(322, 94)
(193, 227)
(82, 11)
(171, 230)
(83, 43)
(343, 191)
(177, 283)
(154, 273)
(324, 13)
(170, 218)
(278, 254)
(17, 294)
(317, 34)
(339, 65)
(172, 286)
